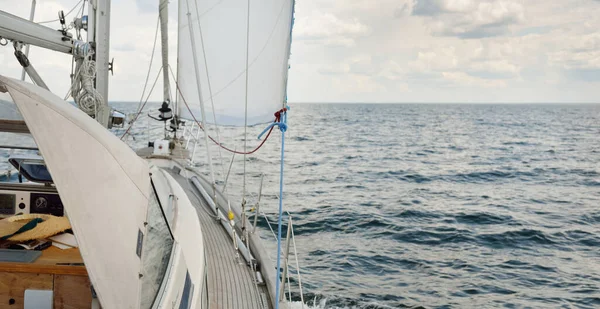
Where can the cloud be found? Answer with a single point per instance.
(469, 19)
(429, 60)
(335, 69)
(494, 68)
(579, 56)
(356, 65)
(391, 51)
(328, 29)
(464, 79)
(392, 70)
(438, 7)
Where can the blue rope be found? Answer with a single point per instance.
(283, 127)
(282, 124)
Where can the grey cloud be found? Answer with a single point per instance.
(586, 75)
(469, 19)
(404, 10)
(468, 32)
(428, 7)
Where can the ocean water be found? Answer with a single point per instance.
(429, 206)
(434, 206)
(447, 206)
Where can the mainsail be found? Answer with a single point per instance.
(230, 36)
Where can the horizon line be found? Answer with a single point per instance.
(430, 102)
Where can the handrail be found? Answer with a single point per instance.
(285, 278)
(267, 273)
(257, 206)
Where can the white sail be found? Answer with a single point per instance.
(220, 34)
(103, 184)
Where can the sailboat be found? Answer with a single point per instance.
(151, 229)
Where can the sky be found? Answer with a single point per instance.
(380, 50)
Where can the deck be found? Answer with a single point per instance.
(231, 283)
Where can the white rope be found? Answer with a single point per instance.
(75, 80)
(82, 89)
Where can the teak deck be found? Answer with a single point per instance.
(61, 271)
(230, 283)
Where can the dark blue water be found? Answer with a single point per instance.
(433, 206)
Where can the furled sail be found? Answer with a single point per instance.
(225, 31)
(103, 184)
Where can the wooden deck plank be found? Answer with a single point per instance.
(230, 282)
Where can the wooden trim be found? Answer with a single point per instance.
(52, 261)
(44, 269)
(13, 126)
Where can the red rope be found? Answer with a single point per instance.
(277, 118)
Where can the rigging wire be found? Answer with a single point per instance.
(277, 118)
(51, 21)
(246, 110)
(150, 65)
(142, 103)
(142, 107)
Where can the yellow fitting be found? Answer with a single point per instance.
(230, 215)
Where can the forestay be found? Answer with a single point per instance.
(103, 184)
(220, 29)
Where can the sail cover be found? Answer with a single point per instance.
(103, 185)
(220, 29)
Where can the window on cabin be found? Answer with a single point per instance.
(156, 252)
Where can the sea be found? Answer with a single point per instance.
(423, 205)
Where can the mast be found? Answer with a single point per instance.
(100, 9)
(164, 28)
